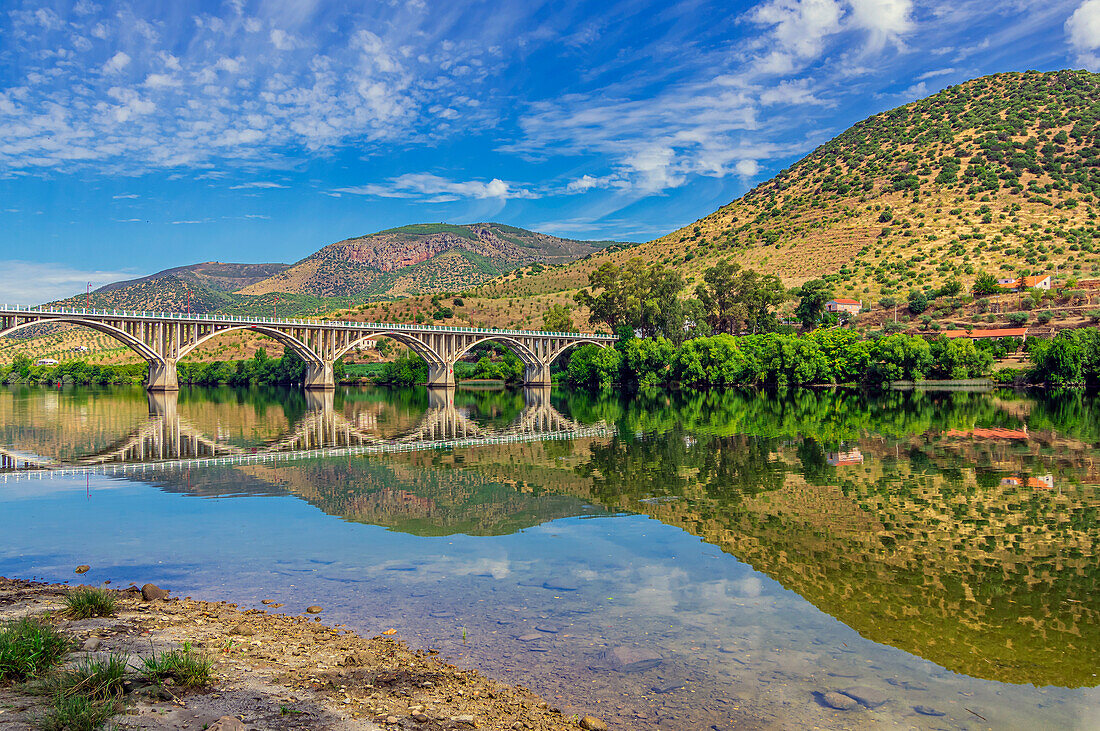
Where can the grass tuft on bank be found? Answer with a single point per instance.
(77, 712)
(85, 602)
(185, 666)
(30, 647)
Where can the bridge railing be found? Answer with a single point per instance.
(95, 312)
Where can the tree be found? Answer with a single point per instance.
(594, 367)
(985, 284)
(644, 297)
(950, 288)
(918, 302)
(736, 300)
(558, 318)
(812, 298)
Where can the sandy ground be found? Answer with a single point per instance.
(274, 671)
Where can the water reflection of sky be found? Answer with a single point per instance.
(566, 574)
(735, 646)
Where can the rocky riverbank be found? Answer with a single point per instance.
(271, 671)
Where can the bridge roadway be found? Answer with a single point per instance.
(168, 441)
(163, 338)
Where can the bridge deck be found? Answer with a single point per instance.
(203, 319)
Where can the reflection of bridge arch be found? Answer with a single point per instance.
(167, 438)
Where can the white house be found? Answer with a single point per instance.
(45, 361)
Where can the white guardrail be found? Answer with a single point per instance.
(293, 322)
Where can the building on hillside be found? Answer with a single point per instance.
(996, 334)
(1041, 482)
(80, 349)
(852, 307)
(1039, 281)
(845, 459)
(45, 361)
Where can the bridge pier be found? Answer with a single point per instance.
(441, 375)
(320, 375)
(162, 376)
(537, 375)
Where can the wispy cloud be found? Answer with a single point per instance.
(260, 184)
(437, 189)
(33, 283)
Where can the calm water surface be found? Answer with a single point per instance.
(680, 562)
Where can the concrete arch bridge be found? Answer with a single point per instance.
(163, 338)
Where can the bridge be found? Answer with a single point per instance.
(163, 338)
(168, 441)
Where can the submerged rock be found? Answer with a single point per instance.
(839, 701)
(867, 696)
(591, 723)
(83, 568)
(928, 711)
(631, 659)
(314, 609)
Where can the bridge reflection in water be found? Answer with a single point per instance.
(168, 440)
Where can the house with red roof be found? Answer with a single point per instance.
(852, 307)
(1040, 281)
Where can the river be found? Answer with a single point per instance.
(674, 561)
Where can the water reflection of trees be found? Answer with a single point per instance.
(927, 541)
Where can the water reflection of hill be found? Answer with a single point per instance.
(435, 493)
(922, 545)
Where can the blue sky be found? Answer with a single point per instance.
(138, 136)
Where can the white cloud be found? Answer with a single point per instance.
(747, 168)
(116, 63)
(1083, 29)
(441, 190)
(789, 92)
(33, 283)
(799, 29)
(260, 184)
(586, 183)
(885, 20)
(125, 196)
(282, 40)
(933, 74)
(161, 81)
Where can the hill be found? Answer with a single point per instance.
(998, 174)
(205, 287)
(214, 275)
(421, 258)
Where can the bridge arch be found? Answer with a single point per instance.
(289, 341)
(150, 355)
(555, 354)
(525, 354)
(419, 347)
